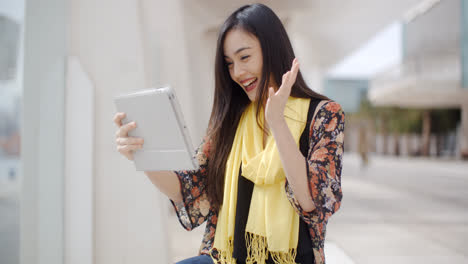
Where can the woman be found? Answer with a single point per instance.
(265, 200)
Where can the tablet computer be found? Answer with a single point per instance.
(160, 123)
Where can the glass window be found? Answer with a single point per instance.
(11, 23)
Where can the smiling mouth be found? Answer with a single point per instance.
(250, 85)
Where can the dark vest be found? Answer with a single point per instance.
(245, 187)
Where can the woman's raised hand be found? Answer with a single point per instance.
(126, 145)
(274, 109)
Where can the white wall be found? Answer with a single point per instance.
(311, 71)
(201, 39)
(127, 45)
(108, 38)
(176, 56)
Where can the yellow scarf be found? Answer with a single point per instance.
(272, 225)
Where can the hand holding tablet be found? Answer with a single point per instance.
(153, 116)
(126, 145)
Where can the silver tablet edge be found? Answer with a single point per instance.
(143, 92)
(177, 109)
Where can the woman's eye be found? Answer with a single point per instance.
(229, 64)
(244, 57)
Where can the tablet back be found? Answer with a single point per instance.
(167, 145)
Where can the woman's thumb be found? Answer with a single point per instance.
(271, 92)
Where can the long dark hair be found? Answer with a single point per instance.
(230, 100)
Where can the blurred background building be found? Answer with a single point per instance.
(430, 81)
(398, 68)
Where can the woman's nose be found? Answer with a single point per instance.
(238, 71)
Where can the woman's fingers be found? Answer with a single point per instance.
(286, 83)
(290, 76)
(128, 150)
(126, 145)
(295, 69)
(123, 131)
(118, 118)
(129, 141)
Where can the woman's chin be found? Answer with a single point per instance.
(252, 97)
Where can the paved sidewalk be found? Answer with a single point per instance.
(403, 210)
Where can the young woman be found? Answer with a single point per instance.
(271, 160)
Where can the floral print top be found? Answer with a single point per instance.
(324, 165)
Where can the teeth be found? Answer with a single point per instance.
(249, 83)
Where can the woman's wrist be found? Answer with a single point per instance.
(277, 124)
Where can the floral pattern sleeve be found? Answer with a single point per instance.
(324, 164)
(195, 206)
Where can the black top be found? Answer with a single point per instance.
(245, 187)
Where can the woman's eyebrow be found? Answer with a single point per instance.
(238, 50)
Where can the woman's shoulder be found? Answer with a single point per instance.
(330, 106)
(329, 116)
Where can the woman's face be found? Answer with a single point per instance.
(243, 55)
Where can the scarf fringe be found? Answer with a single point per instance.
(281, 257)
(256, 248)
(224, 256)
(257, 251)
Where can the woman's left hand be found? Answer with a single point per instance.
(274, 109)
